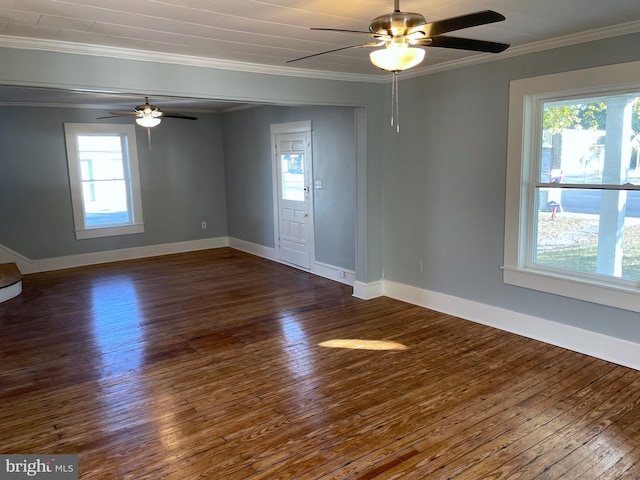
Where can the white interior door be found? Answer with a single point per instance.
(295, 201)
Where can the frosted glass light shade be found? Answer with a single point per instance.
(396, 59)
(148, 121)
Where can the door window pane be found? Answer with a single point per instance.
(292, 165)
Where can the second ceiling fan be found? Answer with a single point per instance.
(148, 115)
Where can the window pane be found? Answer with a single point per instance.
(589, 231)
(292, 177)
(105, 203)
(101, 157)
(101, 166)
(591, 140)
(104, 143)
(104, 183)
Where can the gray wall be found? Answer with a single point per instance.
(444, 185)
(76, 71)
(247, 152)
(182, 179)
(182, 182)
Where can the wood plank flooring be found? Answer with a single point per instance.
(207, 365)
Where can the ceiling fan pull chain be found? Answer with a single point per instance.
(395, 102)
(393, 98)
(397, 75)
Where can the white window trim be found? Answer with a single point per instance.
(523, 99)
(81, 232)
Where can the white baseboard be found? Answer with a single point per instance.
(318, 268)
(616, 350)
(333, 273)
(57, 263)
(24, 264)
(254, 249)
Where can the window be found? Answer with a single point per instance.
(105, 185)
(573, 185)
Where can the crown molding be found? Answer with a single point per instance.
(57, 105)
(59, 46)
(26, 43)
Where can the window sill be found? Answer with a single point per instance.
(109, 231)
(619, 296)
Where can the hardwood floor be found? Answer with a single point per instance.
(208, 365)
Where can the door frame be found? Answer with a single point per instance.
(281, 129)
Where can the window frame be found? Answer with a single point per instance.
(525, 98)
(82, 231)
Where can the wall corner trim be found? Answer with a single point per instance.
(367, 291)
(611, 349)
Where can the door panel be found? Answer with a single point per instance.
(293, 163)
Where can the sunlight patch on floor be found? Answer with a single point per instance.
(359, 344)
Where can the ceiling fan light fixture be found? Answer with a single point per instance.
(396, 58)
(148, 121)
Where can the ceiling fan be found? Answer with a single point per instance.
(148, 115)
(403, 33)
(400, 32)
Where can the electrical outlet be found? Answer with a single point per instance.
(203, 225)
(340, 274)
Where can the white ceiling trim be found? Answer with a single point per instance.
(56, 105)
(9, 41)
(58, 46)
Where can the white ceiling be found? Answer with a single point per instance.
(270, 32)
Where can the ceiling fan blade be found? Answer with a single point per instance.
(463, 21)
(178, 115)
(463, 44)
(109, 116)
(127, 114)
(358, 32)
(331, 51)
